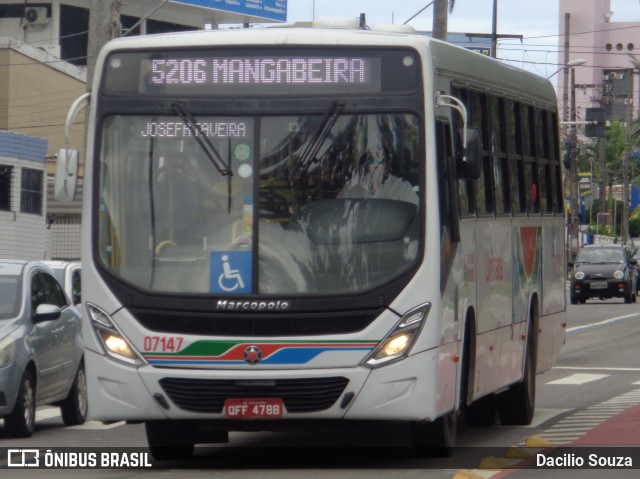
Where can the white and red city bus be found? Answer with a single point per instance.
(285, 226)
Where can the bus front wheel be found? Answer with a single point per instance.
(169, 440)
(437, 438)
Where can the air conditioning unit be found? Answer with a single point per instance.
(35, 16)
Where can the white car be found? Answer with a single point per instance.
(68, 274)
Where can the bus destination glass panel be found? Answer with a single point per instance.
(270, 72)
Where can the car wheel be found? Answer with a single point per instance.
(21, 421)
(75, 406)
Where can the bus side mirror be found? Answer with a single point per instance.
(470, 163)
(66, 177)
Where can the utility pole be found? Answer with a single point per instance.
(494, 32)
(565, 117)
(573, 169)
(565, 80)
(104, 25)
(624, 227)
(440, 19)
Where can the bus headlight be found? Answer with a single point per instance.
(113, 341)
(618, 274)
(397, 344)
(7, 348)
(579, 275)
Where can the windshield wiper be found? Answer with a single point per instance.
(321, 134)
(202, 139)
(207, 147)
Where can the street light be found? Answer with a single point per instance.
(573, 63)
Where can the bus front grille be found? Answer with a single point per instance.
(298, 395)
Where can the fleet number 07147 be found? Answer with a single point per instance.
(163, 343)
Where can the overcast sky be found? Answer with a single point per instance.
(536, 20)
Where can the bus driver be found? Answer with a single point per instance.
(374, 178)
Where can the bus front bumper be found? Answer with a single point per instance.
(395, 392)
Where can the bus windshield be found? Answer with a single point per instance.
(313, 204)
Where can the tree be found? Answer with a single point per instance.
(614, 147)
(440, 18)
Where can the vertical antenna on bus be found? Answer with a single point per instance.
(362, 22)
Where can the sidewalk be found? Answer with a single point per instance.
(620, 430)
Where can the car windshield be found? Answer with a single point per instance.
(9, 296)
(314, 204)
(601, 255)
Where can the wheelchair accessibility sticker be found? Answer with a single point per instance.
(231, 272)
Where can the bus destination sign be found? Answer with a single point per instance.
(260, 71)
(229, 73)
(268, 74)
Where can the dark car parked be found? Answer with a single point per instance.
(603, 271)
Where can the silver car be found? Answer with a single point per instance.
(41, 350)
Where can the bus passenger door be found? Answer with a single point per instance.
(448, 201)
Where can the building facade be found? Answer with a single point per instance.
(23, 202)
(611, 50)
(43, 53)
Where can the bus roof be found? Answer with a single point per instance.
(460, 63)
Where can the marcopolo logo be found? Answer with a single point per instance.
(252, 305)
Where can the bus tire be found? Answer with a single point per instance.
(435, 439)
(482, 412)
(517, 404)
(168, 440)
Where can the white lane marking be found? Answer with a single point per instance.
(54, 412)
(97, 425)
(47, 413)
(541, 416)
(602, 323)
(579, 378)
(587, 368)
